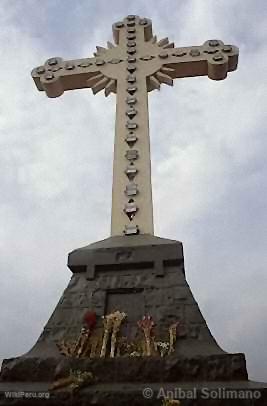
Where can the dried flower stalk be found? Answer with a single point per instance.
(66, 348)
(147, 324)
(108, 323)
(82, 342)
(171, 402)
(118, 318)
(94, 344)
(173, 336)
(74, 381)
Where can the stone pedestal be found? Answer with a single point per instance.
(138, 275)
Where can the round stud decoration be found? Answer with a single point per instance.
(146, 58)
(69, 66)
(131, 126)
(52, 61)
(40, 70)
(179, 54)
(194, 52)
(131, 59)
(85, 64)
(211, 51)
(49, 76)
(214, 43)
(56, 68)
(131, 51)
(227, 48)
(115, 60)
(131, 79)
(218, 58)
(131, 24)
(99, 62)
(131, 100)
(143, 21)
(163, 55)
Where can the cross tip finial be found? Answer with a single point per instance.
(131, 23)
(45, 77)
(222, 58)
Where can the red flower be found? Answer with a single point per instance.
(90, 319)
(146, 322)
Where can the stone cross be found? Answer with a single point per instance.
(136, 65)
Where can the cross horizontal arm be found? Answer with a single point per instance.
(213, 59)
(57, 75)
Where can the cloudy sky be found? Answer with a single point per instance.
(209, 166)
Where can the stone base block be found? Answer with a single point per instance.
(134, 394)
(173, 368)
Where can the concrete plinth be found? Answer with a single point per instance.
(137, 275)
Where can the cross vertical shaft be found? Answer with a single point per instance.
(130, 156)
(132, 208)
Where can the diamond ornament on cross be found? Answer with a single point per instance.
(136, 65)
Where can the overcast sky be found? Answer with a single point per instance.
(209, 164)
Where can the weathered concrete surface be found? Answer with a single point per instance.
(139, 275)
(150, 269)
(133, 394)
(172, 368)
